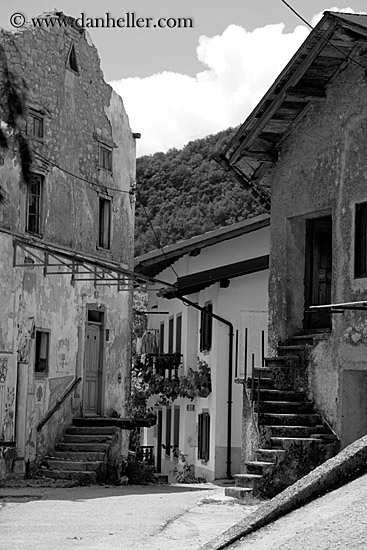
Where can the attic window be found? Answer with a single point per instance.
(72, 62)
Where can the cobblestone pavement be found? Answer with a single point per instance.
(337, 520)
(156, 517)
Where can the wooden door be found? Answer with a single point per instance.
(318, 274)
(93, 370)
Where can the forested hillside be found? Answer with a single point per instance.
(186, 193)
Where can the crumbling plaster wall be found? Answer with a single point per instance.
(80, 111)
(322, 170)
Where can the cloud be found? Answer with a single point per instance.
(169, 109)
(316, 18)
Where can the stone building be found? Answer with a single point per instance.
(66, 243)
(303, 151)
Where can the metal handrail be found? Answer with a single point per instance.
(58, 404)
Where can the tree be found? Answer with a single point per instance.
(12, 113)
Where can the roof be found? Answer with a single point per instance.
(154, 262)
(254, 148)
(195, 282)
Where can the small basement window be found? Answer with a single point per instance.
(360, 241)
(42, 348)
(105, 158)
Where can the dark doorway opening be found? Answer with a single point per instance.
(318, 273)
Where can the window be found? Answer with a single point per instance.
(105, 158)
(168, 430)
(206, 328)
(360, 239)
(41, 357)
(35, 125)
(178, 333)
(72, 61)
(176, 428)
(203, 436)
(161, 338)
(170, 335)
(34, 204)
(104, 223)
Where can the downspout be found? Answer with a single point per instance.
(230, 371)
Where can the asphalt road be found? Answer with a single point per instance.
(335, 521)
(154, 517)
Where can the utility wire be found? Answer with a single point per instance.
(96, 183)
(131, 192)
(154, 232)
(347, 56)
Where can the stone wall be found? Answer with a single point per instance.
(322, 171)
(80, 112)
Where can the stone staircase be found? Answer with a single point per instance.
(294, 439)
(84, 454)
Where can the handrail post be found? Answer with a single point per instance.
(253, 378)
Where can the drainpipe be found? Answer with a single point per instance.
(230, 371)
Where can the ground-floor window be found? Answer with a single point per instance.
(204, 436)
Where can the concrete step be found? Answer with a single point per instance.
(80, 477)
(265, 382)
(91, 430)
(295, 431)
(281, 395)
(326, 437)
(287, 407)
(286, 419)
(241, 493)
(82, 447)
(258, 467)
(249, 481)
(269, 455)
(96, 438)
(283, 442)
(78, 456)
(297, 350)
(74, 465)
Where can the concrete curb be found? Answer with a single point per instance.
(335, 472)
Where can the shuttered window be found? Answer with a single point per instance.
(204, 436)
(206, 328)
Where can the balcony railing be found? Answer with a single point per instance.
(163, 364)
(145, 453)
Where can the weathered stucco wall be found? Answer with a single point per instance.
(322, 170)
(80, 112)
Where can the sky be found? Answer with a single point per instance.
(183, 83)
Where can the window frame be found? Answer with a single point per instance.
(360, 241)
(105, 157)
(178, 345)
(171, 331)
(38, 198)
(32, 117)
(161, 337)
(102, 230)
(168, 431)
(204, 436)
(45, 371)
(206, 328)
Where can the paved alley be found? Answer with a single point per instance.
(158, 517)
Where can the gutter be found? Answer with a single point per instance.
(230, 372)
